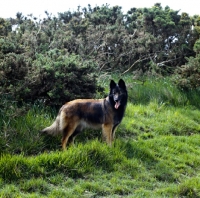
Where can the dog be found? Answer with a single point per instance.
(78, 114)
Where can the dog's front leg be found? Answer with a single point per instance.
(107, 133)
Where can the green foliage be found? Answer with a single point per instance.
(197, 46)
(114, 40)
(6, 46)
(56, 59)
(158, 34)
(53, 78)
(65, 78)
(5, 27)
(187, 77)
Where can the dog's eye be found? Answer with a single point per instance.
(116, 92)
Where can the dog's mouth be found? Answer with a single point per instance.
(117, 104)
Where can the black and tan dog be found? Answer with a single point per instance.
(82, 113)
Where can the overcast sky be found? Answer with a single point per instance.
(9, 8)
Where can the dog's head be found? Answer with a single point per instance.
(118, 93)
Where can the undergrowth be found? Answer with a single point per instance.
(156, 152)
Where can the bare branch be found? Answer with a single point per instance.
(39, 30)
(162, 63)
(139, 60)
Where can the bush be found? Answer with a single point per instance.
(187, 77)
(52, 78)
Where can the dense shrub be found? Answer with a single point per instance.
(187, 77)
(52, 78)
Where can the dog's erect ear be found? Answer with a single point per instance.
(112, 84)
(121, 84)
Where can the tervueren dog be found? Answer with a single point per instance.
(78, 114)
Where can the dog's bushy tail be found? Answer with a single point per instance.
(54, 129)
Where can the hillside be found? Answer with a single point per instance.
(156, 152)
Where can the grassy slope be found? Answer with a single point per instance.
(156, 152)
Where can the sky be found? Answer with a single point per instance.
(9, 8)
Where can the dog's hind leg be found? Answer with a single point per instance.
(67, 133)
(73, 136)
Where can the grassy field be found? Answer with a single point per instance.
(156, 152)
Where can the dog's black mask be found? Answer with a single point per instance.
(118, 93)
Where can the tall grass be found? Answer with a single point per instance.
(20, 126)
(161, 90)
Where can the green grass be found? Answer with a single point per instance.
(156, 152)
(153, 168)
